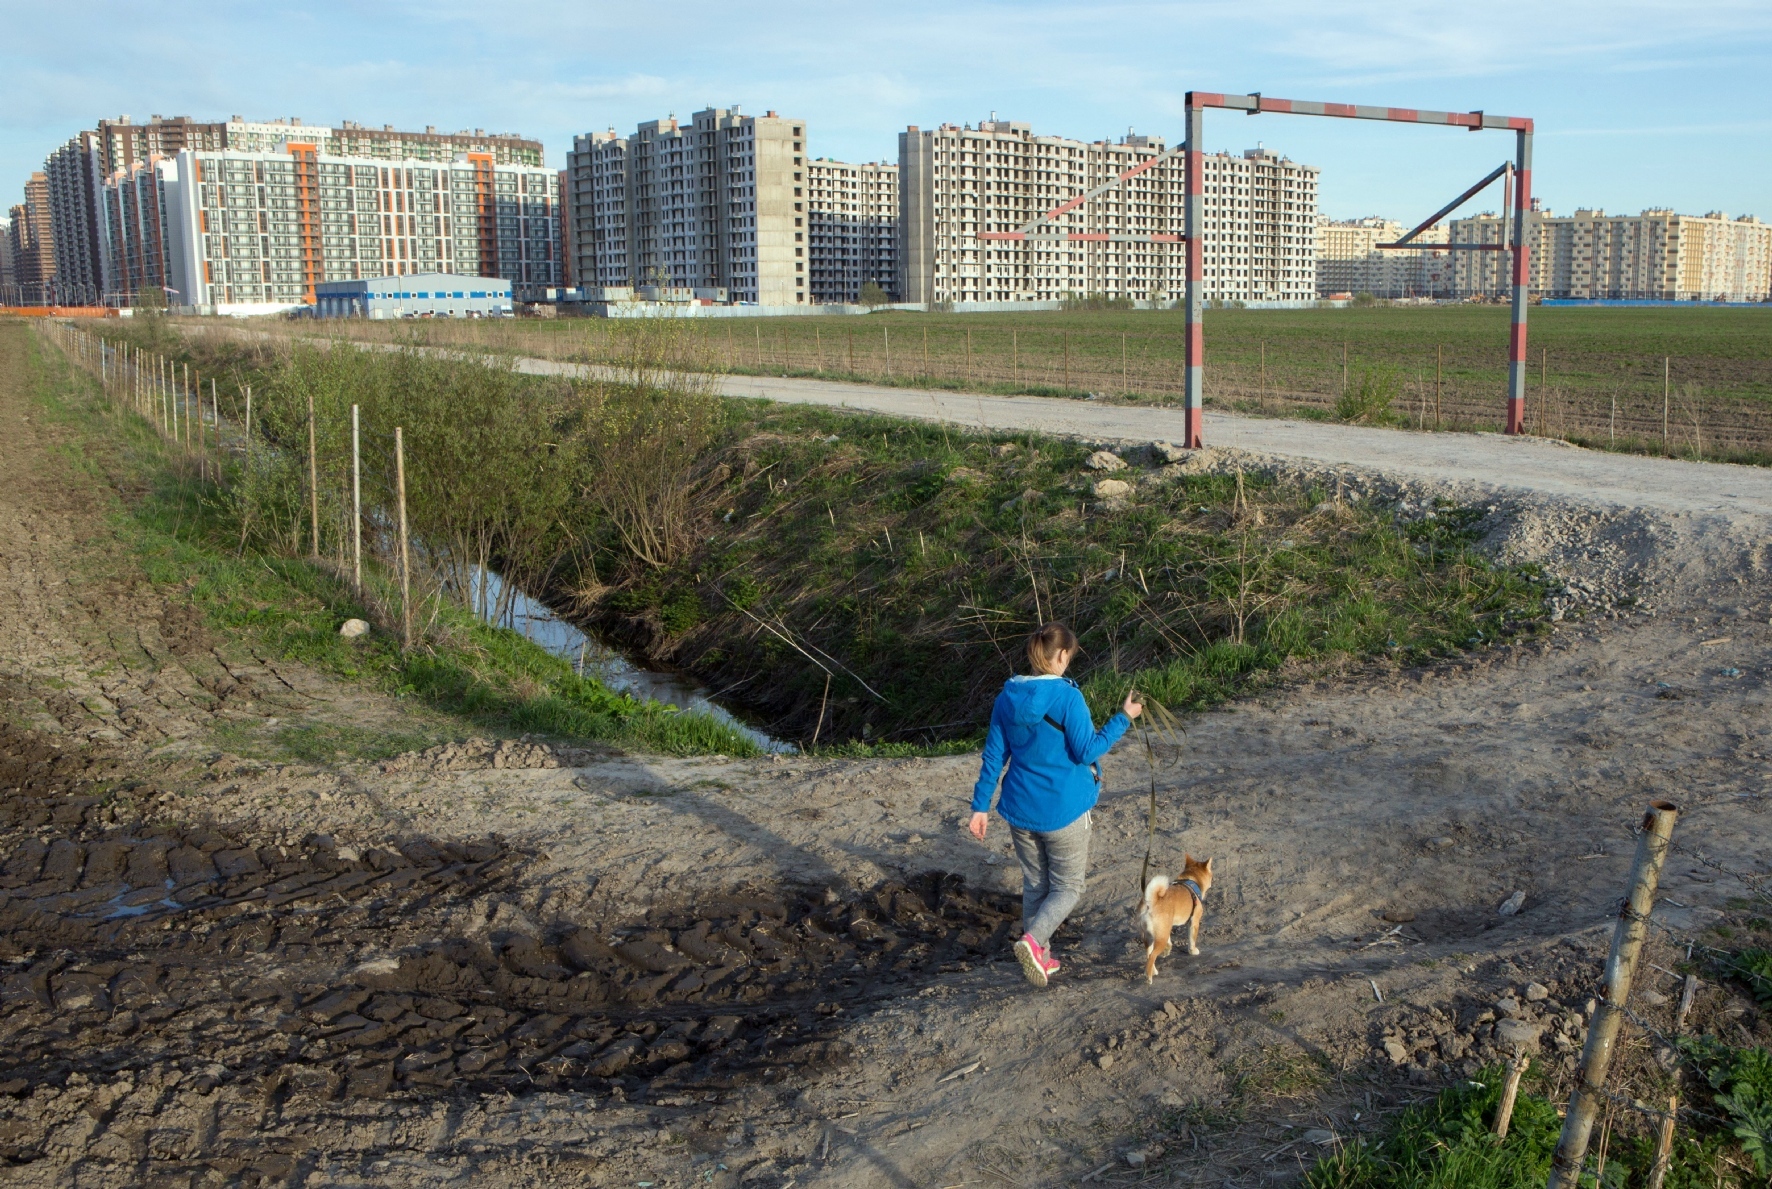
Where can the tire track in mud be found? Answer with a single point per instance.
(185, 958)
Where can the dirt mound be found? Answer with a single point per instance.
(470, 755)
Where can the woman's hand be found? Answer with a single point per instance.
(979, 822)
(1132, 707)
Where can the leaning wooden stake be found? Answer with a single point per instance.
(405, 556)
(313, 480)
(1621, 966)
(356, 504)
(1504, 1111)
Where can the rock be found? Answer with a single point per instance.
(1518, 1034)
(1453, 1047)
(1168, 452)
(1111, 489)
(1508, 1006)
(1170, 1010)
(1105, 1061)
(1536, 992)
(1440, 843)
(1653, 998)
(1512, 905)
(1393, 1048)
(1590, 1007)
(1135, 1159)
(1319, 1136)
(1105, 460)
(1399, 916)
(352, 628)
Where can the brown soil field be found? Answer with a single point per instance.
(510, 963)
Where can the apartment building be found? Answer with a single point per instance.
(956, 181)
(79, 172)
(852, 221)
(717, 203)
(1349, 259)
(8, 279)
(1656, 255)
(33, 244)
(260, 230)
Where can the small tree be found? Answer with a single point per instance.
(872, 295)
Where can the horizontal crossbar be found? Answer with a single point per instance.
(1256, 103)
(1082, 237)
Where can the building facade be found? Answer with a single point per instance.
(1656, 255)
(717, 203)
(33, 245)
(852, 225)
(262, 230)
(415, 295)
(956, 181)
(1349, 260)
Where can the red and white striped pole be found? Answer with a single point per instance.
(1516, 359)
(1194, 352)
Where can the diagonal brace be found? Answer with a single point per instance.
(1450, 207)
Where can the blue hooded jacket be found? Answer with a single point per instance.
(1040, 728)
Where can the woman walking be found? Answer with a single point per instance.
(1041, 730)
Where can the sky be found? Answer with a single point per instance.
(1637, 103)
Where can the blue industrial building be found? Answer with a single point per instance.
(418, 295)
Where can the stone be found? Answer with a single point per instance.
(1453, 1047)
(1508, 1006)
(1512, 905)
(1518, 1034)
(352, 628)
(1135, 1159)
(1105, 1061)
(1105, 460)
(1112, 489)
(1653, 998)
(1399, 916)
(1537, 992)
(1394, 1049)
(1319, 1136)
(1168, 452)
(1440, 843)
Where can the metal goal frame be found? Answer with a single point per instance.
(1193, 225)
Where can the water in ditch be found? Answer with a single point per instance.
(592, 657)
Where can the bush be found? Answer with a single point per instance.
(872, 295)
(1369, 401)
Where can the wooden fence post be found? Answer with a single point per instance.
(1664, 394)
(1621, 967)
(313, 480)
(405, 555)
(356, 503)
(1510, 1090)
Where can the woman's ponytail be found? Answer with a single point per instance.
(1045, 645)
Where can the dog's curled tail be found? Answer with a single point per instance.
(1156, 887)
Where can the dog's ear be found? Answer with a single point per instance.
(1186, 859)
(1208, 864)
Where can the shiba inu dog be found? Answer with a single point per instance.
(1167, 905)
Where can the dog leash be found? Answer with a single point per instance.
(1150, 833)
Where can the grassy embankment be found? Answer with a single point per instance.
(1596, 374)
(186, 530)
(863, 581)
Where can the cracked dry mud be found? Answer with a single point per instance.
(501, 963)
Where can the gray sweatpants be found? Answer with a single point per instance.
(1053, 864)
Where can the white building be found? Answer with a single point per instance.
(1350, 261)
(718, 203)
(956, 181)
(260, 230)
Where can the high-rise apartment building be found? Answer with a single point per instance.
(1349, 259)
(1260, 218)
(852, 224)
(8, 279)
(718, 203)
(89, 266)
(262, 229)
(1656, 255)
(33, 244)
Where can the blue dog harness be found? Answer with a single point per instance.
(1193, 887)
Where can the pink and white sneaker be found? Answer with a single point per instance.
(1036, 961)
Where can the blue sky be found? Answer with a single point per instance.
(1637, 102)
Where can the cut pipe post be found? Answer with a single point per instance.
(1510, 1091)
(1516, 368)
(1621, 967)
(405, 555)
(356, 503)
(1193, 400)
(313, 480)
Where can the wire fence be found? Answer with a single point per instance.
(1699, 407)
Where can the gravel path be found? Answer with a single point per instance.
(1526, 464)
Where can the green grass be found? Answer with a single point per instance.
(914, 560)
(489, 678)
(1448, 1143)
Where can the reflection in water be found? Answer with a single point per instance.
(593, 658)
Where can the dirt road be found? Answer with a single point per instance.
(510, 965)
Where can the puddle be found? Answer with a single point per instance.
(592, 657)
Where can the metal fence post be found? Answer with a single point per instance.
(1516, 368)
(1621, 966)
(1194, 349)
